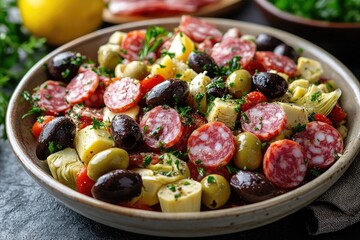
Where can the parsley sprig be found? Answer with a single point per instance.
(18, 52)
(153, 39)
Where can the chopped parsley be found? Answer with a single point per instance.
(96, 124)
(32, 100)
(316, 97)
(211, 179)
(152, 40)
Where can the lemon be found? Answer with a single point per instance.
(60, 21)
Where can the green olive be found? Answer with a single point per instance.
(119, 70)
(136, 69)
(248, 154)
(106, 161)
(108, 56)
(239, 83)
(215, 191)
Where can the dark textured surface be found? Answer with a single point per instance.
(28, 212)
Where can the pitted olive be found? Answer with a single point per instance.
(266, 42)
(252, 187)
(239, 83)
(248, 154)
(135, 69)
(271, 85)
(117, 186)
(64, 66)
(56, 135)
(106, 161)
(201, 61)
(125, 131)
(215, 191)
(286, 50)
(170, 92)
(109, 56)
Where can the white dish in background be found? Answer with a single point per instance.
(184, 224)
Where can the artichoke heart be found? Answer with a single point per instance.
(170, 169)
(317, 101)
(64, 165)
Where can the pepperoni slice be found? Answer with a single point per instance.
(51, 96)
(265, 120)
(199, 30)
(97, 98)
(122, 94)
(132, 44)
(273, 61)
(284, 164)
(81, 87)
(224, 51)
(322, 144)
(162, 127)
(212, 145)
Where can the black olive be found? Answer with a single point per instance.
(286, 50)
(252, 187)
(170, 92)
(56, 135)
(117, 186)
(125, 131)
(217, 87)
(64, 66)
(271, 85)
(201, 61)
(266, 42)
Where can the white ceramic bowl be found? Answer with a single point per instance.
(184, 224)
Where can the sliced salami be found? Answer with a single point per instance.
(199, 30)
(51, 96)
(322, 144)
(132, 44)
(284, 164)
(83, 116)
(81, 87)
(96, 99)
(122, 94)
(161, 127)
(211, 145)
(265, 120)
(224, 51)
(273, 61)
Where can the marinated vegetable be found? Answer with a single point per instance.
(190, 120)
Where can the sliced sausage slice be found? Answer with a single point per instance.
(161, 127)
(199, 30)
(81, 87)
(212, 145)
(265, 120)
(284, 164)
(51, 96)
(224, 51)
(273, 61)
(322, 144)
(122, 94)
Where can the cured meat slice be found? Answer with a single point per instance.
(51, 95)
(96, 99)
(224, 51)
(161, 127)
(122, 94)
(199, 30)
(273, 61)
(132, 44)
(83, 116)
(322, 144)
(158, 7)
(265, 120)
(211, 145)
(284, 164)
(81, 87)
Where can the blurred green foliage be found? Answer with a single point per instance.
(326, 10)
(19, 51)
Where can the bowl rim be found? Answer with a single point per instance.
(265, 5)
(50, 183)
